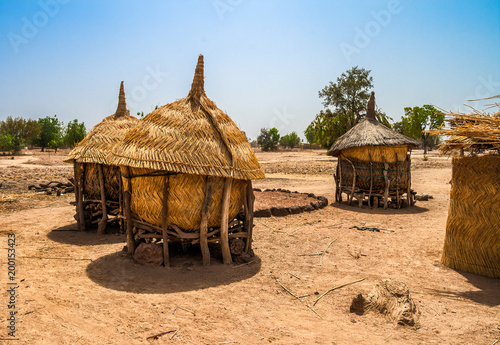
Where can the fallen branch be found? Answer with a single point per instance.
(189, 311)
(173, 335)
(156, 336)
(322, 254)
(309, 254)
(267, 226)
(496, 341)
(297, 297)
(284, 288)
(39, 257)
(293, 275)
(246, 263)
(335, 288)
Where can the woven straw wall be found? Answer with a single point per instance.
(185, 200)
(92, 188)
(377, 154)
(472, 241)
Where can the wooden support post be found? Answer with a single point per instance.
(120, 199)
(371, 181)
(249, 204)
(397, 182)
(128, 212)
(340, 178)
(353, 182)
(409, 197)
(101, 228)
(387, 183)
(224, 231)
(336, 178)
(205, 214)
(164, 223)
(79, 181)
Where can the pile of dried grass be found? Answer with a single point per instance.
(470, 131)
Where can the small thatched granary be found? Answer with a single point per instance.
(373, 162)
(472, 241)
(187, 172)
(98, 189)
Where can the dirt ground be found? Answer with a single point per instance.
(79, 288)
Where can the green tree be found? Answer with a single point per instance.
(268, 139)
(290, 140)
(348, 96)
(309, 134)
(6, 142)
(74, 133)
(417, 120)
(50, 134)
(345, 101)
(21, 131)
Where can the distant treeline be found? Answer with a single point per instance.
(48, 132)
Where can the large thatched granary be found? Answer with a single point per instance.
(98, 184)
(373, 162)
(472, 241)
(187, 172)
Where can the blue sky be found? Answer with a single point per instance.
(265, 61)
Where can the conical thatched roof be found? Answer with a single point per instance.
(190, 136)
(370, 132)
(95, 147)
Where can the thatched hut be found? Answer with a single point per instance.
(187, 172)
(373, 162)
(472, 241)
(97, 182)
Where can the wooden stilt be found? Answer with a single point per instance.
(353, 182)
(164, 223)
(205, 214)
(409, 197)
(79, 181)
(249, 202)
(224, 231)
(371, 181)
(397, 182)
(101, 228)
(120, 199)
(387, 183)
(340, 179)
(336, 178)
(128, 213)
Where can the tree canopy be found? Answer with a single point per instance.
(417, 120)
(50, 135)
(345, 103)
(74, 133)
(268, 139)
(17, 132)
(290, 140)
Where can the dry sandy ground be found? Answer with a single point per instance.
(79, 288)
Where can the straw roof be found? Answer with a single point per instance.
(190, 136)
(466, 131)
(370, 132)
(95, 147)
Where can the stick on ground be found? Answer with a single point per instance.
(335, 288)
(324, 251)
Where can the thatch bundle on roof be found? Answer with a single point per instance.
(97, 181)
(373, 162)
(187, 169)
(472, 241)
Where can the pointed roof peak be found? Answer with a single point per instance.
(198, 85)
(121, 110)
(370, 107)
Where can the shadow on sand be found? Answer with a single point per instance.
(70, 234)
(488, 293)
(380, 210)
(118, 271)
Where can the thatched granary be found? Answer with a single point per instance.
(373, 162)
(187, 172)
(472, 241)
(97, 182)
